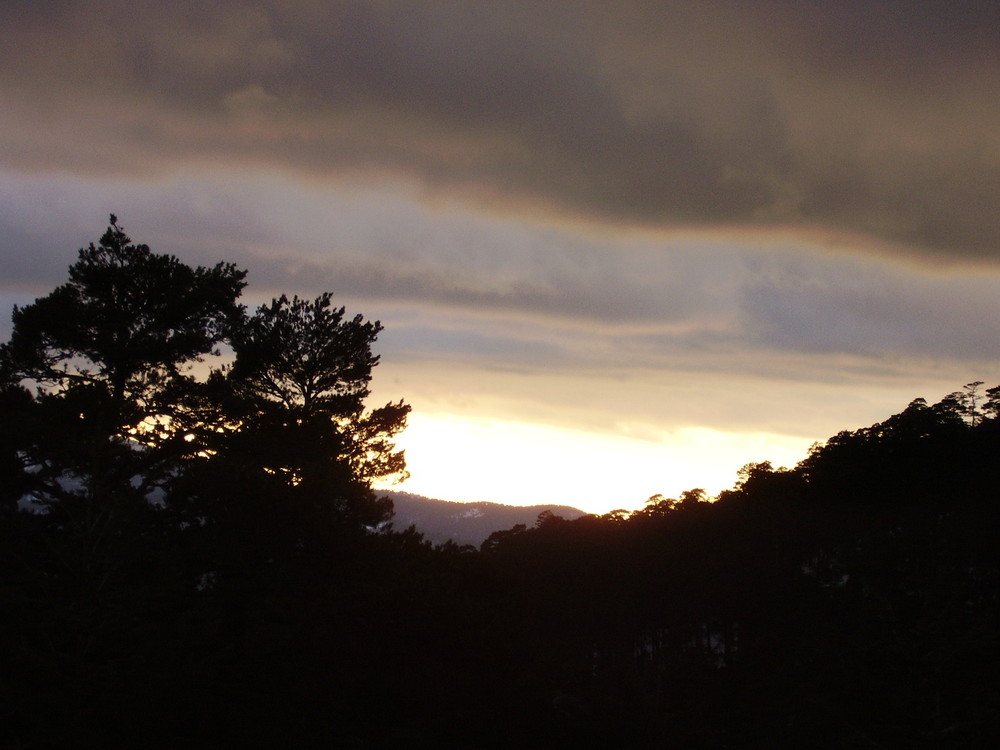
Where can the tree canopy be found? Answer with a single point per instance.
(116, 404)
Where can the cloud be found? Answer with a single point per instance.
(688, 300)
(877, 121)
(632, 335)
(870, 308)
(634, 219)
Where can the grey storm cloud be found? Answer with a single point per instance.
(877, 315)
(846, 304)
(879, 120)
(483, 283)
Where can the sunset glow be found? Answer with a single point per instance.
(455, 458)
(571, 253)
(615, 253)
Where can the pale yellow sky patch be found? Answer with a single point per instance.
(460, 458)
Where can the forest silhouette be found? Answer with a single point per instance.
(193, 556)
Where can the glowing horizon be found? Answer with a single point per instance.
(468, 459)
(618, 254)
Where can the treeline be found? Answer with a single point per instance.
(852, 601)
(192, 556)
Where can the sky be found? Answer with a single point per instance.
(618, 249)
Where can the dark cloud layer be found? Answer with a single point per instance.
(879, 119)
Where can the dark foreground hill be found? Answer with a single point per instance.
(466, 523)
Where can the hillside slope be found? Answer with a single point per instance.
(465, 523)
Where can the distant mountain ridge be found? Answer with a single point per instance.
(465, 523)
